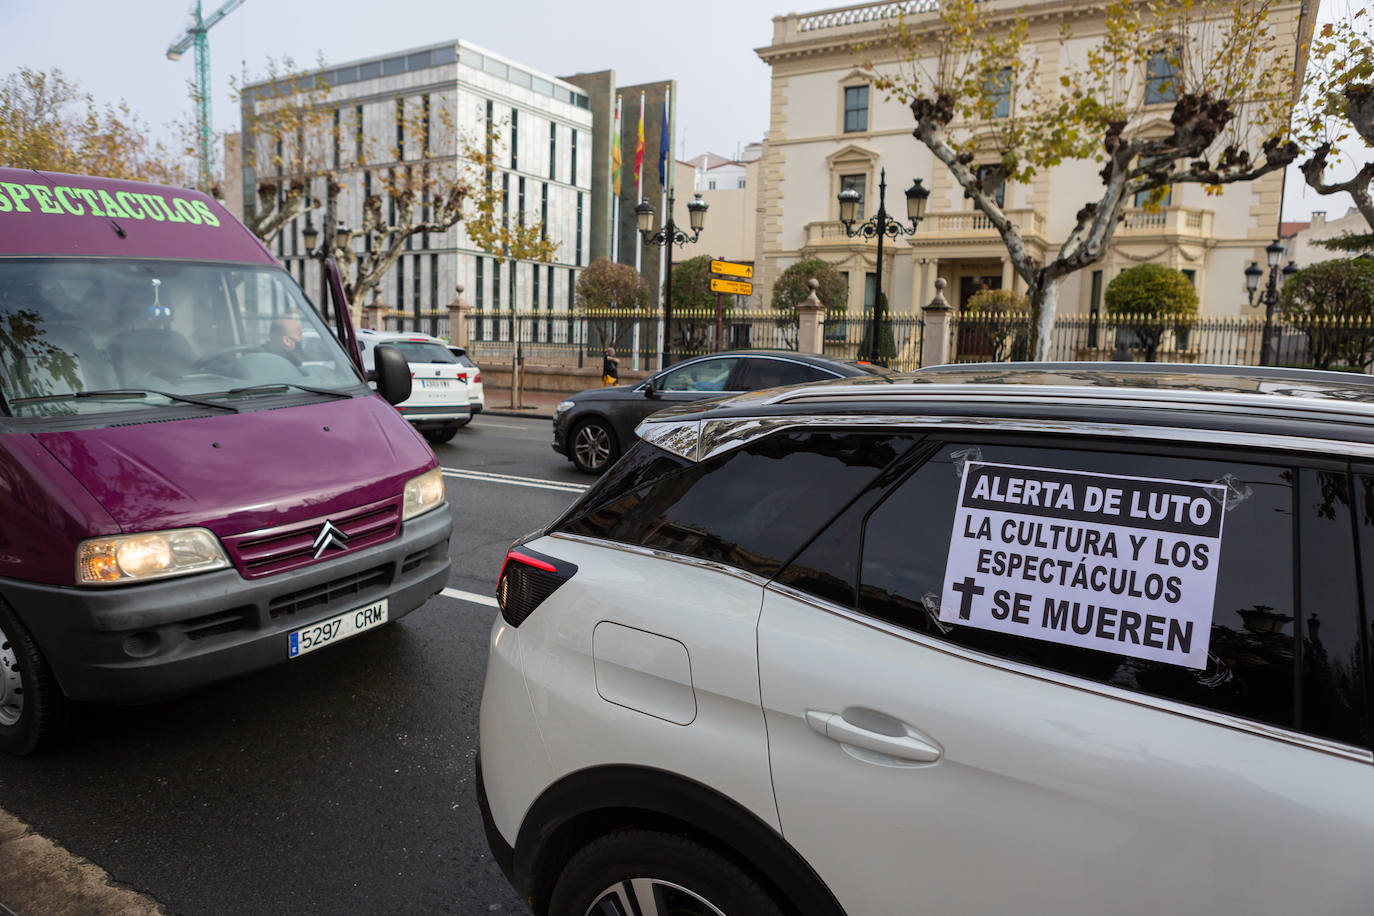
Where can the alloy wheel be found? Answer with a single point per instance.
(592, 445)
(650, 897)
(11, 683)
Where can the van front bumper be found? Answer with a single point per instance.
(158, 639)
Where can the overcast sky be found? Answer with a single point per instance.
(117, 50)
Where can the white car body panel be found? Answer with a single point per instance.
(438, 391)
(1047, 798)
(711, 613)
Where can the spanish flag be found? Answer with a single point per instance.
(615, 151)
(639, 152)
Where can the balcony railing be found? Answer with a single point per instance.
(1190, 221)
(964, 223)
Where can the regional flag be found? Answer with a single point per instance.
(639, 151)
(663, 144)
(615, 151)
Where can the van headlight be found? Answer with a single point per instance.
(423, 493)
(151, 555)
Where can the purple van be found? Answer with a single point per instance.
(185, 494)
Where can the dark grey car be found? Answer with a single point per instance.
(593, 427)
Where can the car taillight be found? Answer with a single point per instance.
(527, 579)
(477, 379)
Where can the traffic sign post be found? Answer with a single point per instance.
(738, 287)
(731, 269)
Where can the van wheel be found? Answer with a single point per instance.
(644, 871)
(33, 709)
(593, 446)
(441, 434)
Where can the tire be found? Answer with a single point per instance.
(33, 709)
(438, 435)
(593, 446)
(663, 874)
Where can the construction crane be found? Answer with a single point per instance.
(195, 35)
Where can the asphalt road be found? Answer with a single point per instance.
(337, 782)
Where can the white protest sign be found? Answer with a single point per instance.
(1120, 564)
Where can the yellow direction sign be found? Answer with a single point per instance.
(731, 269)
(738, 287)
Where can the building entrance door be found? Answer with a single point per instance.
(974, 343)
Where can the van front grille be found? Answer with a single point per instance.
(327, 593)
(275, 550)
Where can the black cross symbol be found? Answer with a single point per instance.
(967, 590)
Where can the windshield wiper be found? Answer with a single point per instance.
(114, 394)
(283, 386)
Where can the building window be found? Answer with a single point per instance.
(870, 292)
(741, 183)
(358, 134)
(295, 239)
(711, 185)
(1161, 78)
(572, 287)
(481, 288)
(997, 90)
(367, 192)
(338, 137)
(544, 211)
(534, 290)
(491, 138)
(572, 179)
(1000, 195)
(553, 149)
(578, 253)
(520, 198)
(400, 129)
(400, 284)
(496, 285)
(425, 126)
(1094, 307)
(434, 281)
(514, 138)
(415, 287)
(1143, 197)
(548, 285)
(858, 183)
(855, 109)
(505, 199)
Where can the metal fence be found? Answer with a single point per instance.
(1319, 343)
(580, 338)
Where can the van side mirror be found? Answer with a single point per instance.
(392, 373)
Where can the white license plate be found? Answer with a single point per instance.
(436, 383)
(317, 635)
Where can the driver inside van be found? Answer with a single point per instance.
(284, 339)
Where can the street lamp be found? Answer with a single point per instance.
(671, 234)
(881, 226)
(1273, 254)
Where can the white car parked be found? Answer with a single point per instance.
(476, 396)
(439, 403)
(1063, 639)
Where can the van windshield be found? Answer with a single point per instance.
(93, 336)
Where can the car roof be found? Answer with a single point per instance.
(403, 335)
(852, 367)
(1089, 397)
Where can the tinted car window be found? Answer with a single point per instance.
(421, 351)
(707, 375)
(752, 507)
(1333, 683)
(775, 373)
(1250, 670)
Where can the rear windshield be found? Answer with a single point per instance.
(422, 351)
(93, 336)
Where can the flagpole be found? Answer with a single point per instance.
(665, 252)
(615, 198)
(639, 178)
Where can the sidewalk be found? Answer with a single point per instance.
(538, 404)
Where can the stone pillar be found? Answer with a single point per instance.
(810, 317)
(458, 311)
(375, 313)
(935, 346)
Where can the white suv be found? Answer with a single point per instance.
(1069, 639)
(439, 403)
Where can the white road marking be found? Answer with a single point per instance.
(489, 424)
(561, 486)
(470, 596)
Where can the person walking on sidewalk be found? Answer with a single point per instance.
(610, 369)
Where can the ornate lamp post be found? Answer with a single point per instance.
(880, 225)
(671, 234)
(1273, 253)
(310, 235)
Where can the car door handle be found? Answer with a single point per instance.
(909, 745)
